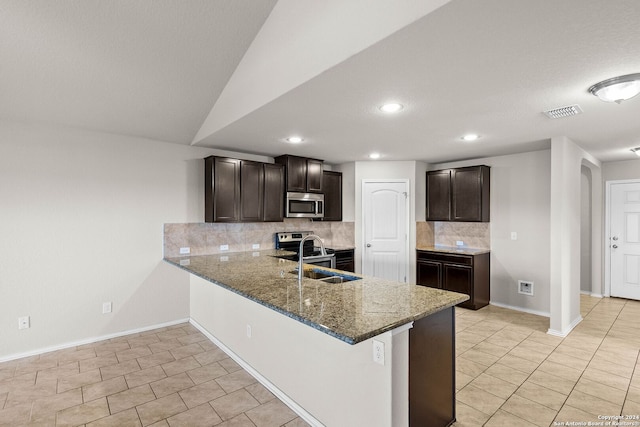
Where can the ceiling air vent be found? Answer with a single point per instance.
(558, 113)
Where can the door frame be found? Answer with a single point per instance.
(407, 183)
(607, 224)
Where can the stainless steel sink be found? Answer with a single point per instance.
(326, 276)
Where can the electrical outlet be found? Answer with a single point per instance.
(525, 287)
(514, 235)
(224, 247)
(185, 251)
(248, 331)
(255, 246)
(459, 243)
(106, 307)
(224, 258)
(23, 322)
(378, 352)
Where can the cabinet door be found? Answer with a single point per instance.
(429, 273)
(470, 194)
(273, 192)
(439, 195)
(458, 278)
(332, 184)
(466, 194)
(226, 190)
(296, 173)
(314, 176)
(251, 191)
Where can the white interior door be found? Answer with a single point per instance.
(624, 240)
(386, 229)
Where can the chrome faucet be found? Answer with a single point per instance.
(301, 253)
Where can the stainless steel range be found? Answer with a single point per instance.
(290, 241)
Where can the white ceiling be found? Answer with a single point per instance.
(211, 73)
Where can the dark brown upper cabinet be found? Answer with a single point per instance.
(243, 191)
(460, 194)
(273, 192)
(251, 191)
(439, 195)
(302, 175)
(332, 184)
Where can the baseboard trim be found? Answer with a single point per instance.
(565, 332)
(90, 340)
(523, 309)
(306, 416)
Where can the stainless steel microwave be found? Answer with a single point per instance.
(305, 205)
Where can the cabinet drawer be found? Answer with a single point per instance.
(444, 257)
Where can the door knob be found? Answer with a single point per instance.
(615, 246)
(615, 237)
(368, 245)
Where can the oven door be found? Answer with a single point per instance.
(321, 260)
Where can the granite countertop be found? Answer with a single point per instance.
(453, 250)
(350, 311)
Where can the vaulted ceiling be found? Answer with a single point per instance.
(243, 75)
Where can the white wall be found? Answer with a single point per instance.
(348, 190)
(626, 169)
(81, 221)
(585, 230)
(520, 202)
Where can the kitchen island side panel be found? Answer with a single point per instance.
(336, 383)
(432, 370)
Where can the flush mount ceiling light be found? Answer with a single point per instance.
(617, 89)
(470, 137)
(295, 139)
(391, 107)
(374, 156)
(636, 151)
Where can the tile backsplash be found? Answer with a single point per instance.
(473, 234)
(206, 238)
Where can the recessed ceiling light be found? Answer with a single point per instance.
(470, 137)
(374, 156)
(392, 107)
(295, 139)
(636, 150)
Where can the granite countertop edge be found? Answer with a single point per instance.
(434, 308)
(453, 250)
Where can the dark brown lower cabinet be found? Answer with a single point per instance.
(345, 260)
(466, 274)
(432, 384)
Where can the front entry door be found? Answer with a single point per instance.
(384, 212)
(624, 240)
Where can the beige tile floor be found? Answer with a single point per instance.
(165, 377)
(509, 373)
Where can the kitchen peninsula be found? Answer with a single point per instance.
(313, 345)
